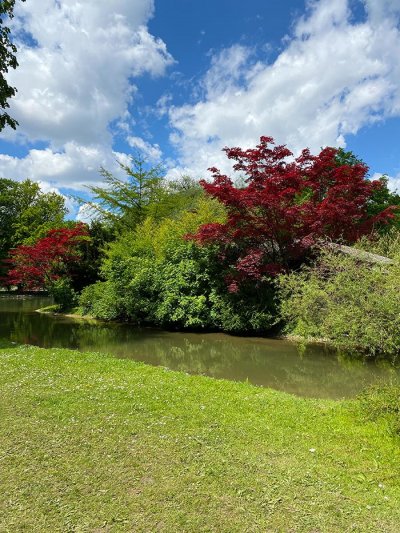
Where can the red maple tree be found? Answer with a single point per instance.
(285, 207)
(50, 258)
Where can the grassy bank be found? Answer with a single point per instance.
(90, 443)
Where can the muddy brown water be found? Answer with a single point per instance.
(313, 371)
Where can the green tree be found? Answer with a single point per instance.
(183, 194)
(7, 60)
(126, 203)
(383, 198)
(92, 252)
(26, 213)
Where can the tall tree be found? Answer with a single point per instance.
(286, 206)
(26, 213)
(125, 203)
(7, 60)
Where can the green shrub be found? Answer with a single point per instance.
(156, 276)
(252, 310)
(353, 304)
(100, 301)
(185, 279)
(63, 294)
(387, 244)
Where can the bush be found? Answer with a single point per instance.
(100, 301)
(353, 304)
(156, 276)
(63, 294)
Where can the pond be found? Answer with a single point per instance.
(315, 371)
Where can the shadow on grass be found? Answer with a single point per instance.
(5, 343)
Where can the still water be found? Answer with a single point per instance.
(313, 372)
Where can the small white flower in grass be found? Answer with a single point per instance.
(381, 486)
(312, 450)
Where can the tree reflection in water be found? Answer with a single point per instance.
(314, 371)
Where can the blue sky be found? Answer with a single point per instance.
(181, 79)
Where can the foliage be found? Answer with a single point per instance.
(101, 301)
(181, 194)
(137, 262)
(7, 60)
(153, 275)
(63, 294)
(344, 157)
(127, 201)
(381, 199)
(387, 244)
(354, 304)
(91, 254)
(286, 207)
(124, 203)
(37, 266)
(26, 214)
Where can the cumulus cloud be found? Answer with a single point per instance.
(393, 181)
(150, 151)
(73, 167)
(77, 65)
(333, 77)
(76, 79)
(86, 214)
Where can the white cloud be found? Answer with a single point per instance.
(75, 78)
(150, 151)
(333, 77)
(393, 181)
(85, 214)
(73, 167)
(227, 70)
(381, 11)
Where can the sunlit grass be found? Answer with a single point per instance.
(91, 443)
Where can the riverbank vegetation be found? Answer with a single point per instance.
(91, 443)
(245, 255)
(353, 303)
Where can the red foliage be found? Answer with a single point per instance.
(286, 206)
(34, 267)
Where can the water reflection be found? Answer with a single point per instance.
(315, 371)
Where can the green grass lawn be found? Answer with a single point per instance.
(91, 443)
